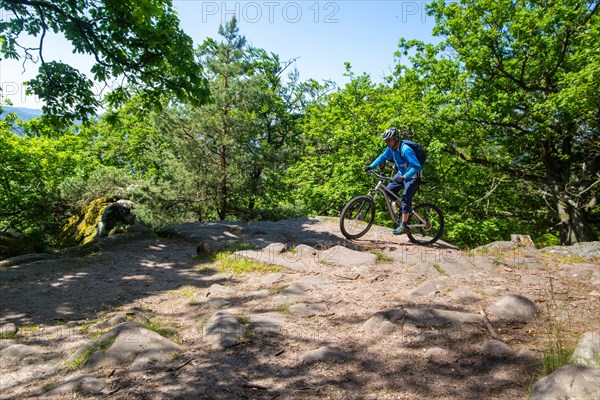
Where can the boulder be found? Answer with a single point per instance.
(307, 310)
(8, 329)
(496, 348)
(82, 227)
(118, 213)
(587, 352)
(272, 279)
(269, 322)
(514, 307)
(325, 354)
(568, 382)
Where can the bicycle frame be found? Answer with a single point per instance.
(387, 194)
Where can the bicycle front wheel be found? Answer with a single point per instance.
(426, 224)
(357, 217)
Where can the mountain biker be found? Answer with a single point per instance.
(408, 175)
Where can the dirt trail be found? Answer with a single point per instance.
(407, 322)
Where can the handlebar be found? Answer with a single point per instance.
(387, 178)
(379, 176)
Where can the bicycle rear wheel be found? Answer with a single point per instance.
(426, 224)
(357, 217)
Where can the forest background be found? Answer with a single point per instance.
(507, 106)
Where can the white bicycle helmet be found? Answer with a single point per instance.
(390, 134)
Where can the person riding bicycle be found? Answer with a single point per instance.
(408, 175)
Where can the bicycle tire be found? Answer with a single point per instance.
(355, 208)
(430, 234)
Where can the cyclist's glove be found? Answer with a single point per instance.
(368, 168)
(399, 179)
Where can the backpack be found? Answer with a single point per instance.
(418, 149)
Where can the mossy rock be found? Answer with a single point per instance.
(82, 227)
(15, 244)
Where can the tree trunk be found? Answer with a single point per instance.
(574, 226)
(223, 185)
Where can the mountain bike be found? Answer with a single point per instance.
(425, 224)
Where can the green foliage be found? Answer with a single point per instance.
(225, 159)
(506, 107)
(107, 182)
(339, 139)
(137, 39)
(545, 240)
(31, 171)
(513, 81)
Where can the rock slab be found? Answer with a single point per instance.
(222, 330)
(568, 382)
(128, 345)
(80, 383)
(340, 255)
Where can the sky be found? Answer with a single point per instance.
(320, 35)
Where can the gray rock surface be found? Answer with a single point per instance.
(8, 329)
(18, 351)
(340, 255)
(84, 383)
(259, 294)
(568, 382)
(595, 278)
(222, 330)
(428, 288)
(378, 323)
(307, 310)
(267, 322)
(587, 352)
(295, 293)
(496, 348)
(583, 249)
(325, 354)
(111, 322)
(127, 345)
(216, 302)
(217, 288)
(220, 231)
(431, 317)
(437, 355)
(25, 259)
(514, 307)
(271, 279)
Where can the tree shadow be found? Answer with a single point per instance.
(267, 365)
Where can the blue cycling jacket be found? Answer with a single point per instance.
(405, 159)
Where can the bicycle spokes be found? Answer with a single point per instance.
(426, 224)
(357, 217)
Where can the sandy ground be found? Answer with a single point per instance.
(55, 302)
